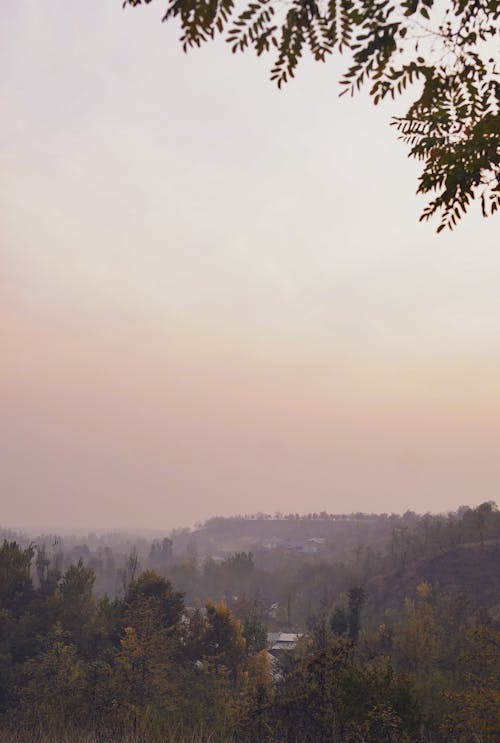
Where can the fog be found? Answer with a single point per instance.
(217, 298)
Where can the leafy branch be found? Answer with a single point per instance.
(453, 126)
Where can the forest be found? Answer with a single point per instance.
(397, 634)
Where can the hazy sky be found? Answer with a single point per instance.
(216, 297)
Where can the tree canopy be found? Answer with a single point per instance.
(396, 642)
(443, 49)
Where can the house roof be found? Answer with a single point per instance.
(282, 640)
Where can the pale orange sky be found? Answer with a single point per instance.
(216, 297)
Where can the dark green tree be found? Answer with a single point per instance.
(77, 605)
(339, 621)
(254, 632)
(16, 587)
(158, 594)
(356, 597)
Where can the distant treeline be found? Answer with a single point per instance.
(348, 550)
(311, 516)
(399, 637)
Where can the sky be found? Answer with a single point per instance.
(216, 297)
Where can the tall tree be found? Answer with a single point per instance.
(16, 587)
(356, 597)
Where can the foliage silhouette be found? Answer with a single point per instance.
(452, 126)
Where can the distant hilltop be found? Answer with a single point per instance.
(332, 535)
